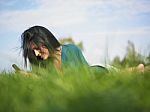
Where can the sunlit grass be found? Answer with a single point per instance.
(75, 91)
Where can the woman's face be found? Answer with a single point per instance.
(40, 51)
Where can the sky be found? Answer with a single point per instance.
(99, 24)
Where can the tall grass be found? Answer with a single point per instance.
(75, 91)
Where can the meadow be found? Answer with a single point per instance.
(75, 91)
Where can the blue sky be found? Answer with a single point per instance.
(90, 21)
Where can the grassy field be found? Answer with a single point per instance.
(75, 91)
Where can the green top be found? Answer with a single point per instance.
(72, 55)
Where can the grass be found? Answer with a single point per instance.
(75, 91)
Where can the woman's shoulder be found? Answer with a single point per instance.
(70, 46)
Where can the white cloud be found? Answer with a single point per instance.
(22, 19)
(49, 13)
(71, 12)
(114, 10)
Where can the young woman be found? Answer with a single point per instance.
(42, 49)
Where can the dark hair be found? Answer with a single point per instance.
(38, 35)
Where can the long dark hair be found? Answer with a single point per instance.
(38, 35)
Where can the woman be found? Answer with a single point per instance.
(42, 49)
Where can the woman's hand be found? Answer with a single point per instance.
(25, 73)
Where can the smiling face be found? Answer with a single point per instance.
(41, 51)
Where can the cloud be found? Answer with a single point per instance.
(48, 13)
(114, 10)
(60, 13)
(27, 18)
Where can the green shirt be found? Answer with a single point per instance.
(72, 55)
